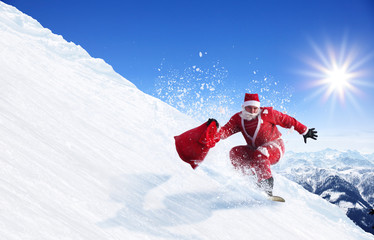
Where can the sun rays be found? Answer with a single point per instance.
(336, 73)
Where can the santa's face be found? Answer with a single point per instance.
(250, 112)
(251, 109)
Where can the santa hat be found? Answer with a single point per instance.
(251, 100)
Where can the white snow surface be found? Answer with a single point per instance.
(84, 154)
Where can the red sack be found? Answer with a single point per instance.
(193, 145)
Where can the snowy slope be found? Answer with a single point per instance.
(85, 155)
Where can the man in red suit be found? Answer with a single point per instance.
(264, 144)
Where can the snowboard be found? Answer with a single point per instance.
(276, 199)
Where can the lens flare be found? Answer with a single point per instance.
(338, 82)
(337, 75)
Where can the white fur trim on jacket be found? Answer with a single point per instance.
(307, 129)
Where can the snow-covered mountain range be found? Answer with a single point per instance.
(84, 154)
(343, 178)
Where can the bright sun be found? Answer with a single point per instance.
(338, 81)
(335, 73)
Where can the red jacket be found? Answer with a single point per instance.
(257, 133)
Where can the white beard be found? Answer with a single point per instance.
(248, 116)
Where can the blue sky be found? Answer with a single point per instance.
(236, 47)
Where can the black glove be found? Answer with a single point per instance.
(210, 120)
(371, 212)
(311, 134)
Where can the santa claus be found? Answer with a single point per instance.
(264, 144)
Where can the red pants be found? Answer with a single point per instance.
(246, 158)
